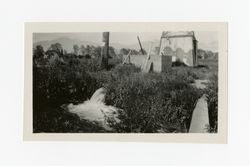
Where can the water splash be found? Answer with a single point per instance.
(95, 110)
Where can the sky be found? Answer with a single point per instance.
(124, 38)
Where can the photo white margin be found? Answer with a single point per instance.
(220, 27)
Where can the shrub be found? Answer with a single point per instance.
(57, 120)
(125, 70)
(55, 84)
(212, 99)
(211, 73)
(60, 83)
(151, 102)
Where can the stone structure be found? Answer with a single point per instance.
(157, 63)
(174, 47)
(182, 46)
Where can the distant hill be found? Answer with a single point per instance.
(67, 43)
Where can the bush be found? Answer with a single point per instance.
(212, 99)
(151, 102)
(211, 73)
(187, 74)
(57, 120)
(59, 83)
(125, 70)
(55, 84)
(91, 65)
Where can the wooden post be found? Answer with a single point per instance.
(144, 66)
(128, 56)
(195, 62)
(161, 43)
(143, 53)
(105, 50)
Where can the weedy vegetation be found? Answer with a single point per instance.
(151, 102)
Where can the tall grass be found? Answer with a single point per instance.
(151, 102)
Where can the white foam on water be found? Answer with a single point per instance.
(95, 109)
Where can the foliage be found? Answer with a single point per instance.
(76, 49)
(38, 52)
(203, 54)
(38, 55)
(125, 51)
(209, 71)
(59, 83)
(57, 47)
(151, 102)
(58, 120)
(212, 99)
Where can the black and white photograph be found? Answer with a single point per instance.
(125, 82)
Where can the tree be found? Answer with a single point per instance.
(92, 51)
(134, 52)
(98, 51)
(76, 49)
(38, 55)
(65, 52)
(112, 52)
(38, 52)
(57, 47)
(82, 50)
(124, 51)
(87, 50)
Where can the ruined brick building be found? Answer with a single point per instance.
(182, 46)
(174, 47)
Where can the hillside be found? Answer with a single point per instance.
(67, 43)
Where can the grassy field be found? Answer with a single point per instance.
(152, 102)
